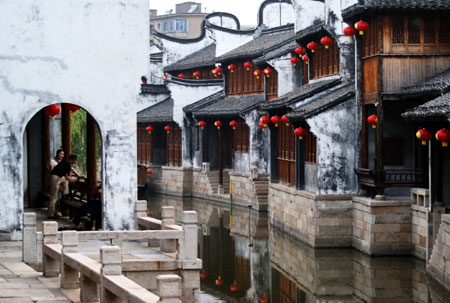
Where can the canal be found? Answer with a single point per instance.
(248, 261)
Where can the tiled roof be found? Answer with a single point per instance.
(277, 52)
(302, 92)
(436, 109)
(395, 5)
(227, 106)
(154, 89)
(436, 84)
(202, 58)
(322, 103)
(255, 48)
(160, 112)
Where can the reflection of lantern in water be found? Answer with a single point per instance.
(219, 281)
(234, 286)
(203, 275)
(263, 298)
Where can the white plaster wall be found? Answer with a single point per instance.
(278, 14)
(348, 3)
(307, 11)
(225, 41)
(259, 144)
(147, 100)
(90, 53)
(286, 73)
(223, 21)
(173, 51)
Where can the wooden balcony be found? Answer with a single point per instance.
(375, 181)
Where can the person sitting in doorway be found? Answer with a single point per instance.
(60, 173)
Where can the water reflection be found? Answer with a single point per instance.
(249, 262)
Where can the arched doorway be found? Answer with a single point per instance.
(70, 128)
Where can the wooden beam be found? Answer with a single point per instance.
(91, 153)
(65, 131)
(45, 152)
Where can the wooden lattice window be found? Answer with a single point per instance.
(398, 31)
(370, 38)
(241, 137)
(310, 147)
(144, 146)
(288, 290)
(286, 154)
(272, 85)
(429, 30)
(325, 62)
(243, 82)
(174, 146)
(414, 30)
(444, 30)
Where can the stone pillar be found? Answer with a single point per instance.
(111, 259)
(190, 234)
(69, 275)
(140, 210)
(168, 218)
(50, 236)
(169, 288)
(29, 245)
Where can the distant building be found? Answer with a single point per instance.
(185, 23)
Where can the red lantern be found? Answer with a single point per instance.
(165, 77)
(202, 124)
(218, 124)
(232, 68)
(305, 59)
(300, 132)
(219, 71)
(268, 72)
(294, 61)
(424, 135)
(263, 299)
(219, 281)
(73, 108)
(149, 129)
(149, 171)
(257, 73)
(262, 126)
(52, 110)
(443, 136)
(167, 128)
(349, 31)
(214, 72)
(326, 41)
(275, 120)
(300, 51)
(285, 120)
(233, 124)
(143, 80)
(203, 275)
(373, 120)
(181, 76)
(312, 46)
(361, 26)
(196, 75)
(234, 286)
(265, 120)
(248, 65)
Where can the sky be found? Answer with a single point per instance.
(245, 10)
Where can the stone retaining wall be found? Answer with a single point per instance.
(419, 231)
(439, 266)
(250, 190)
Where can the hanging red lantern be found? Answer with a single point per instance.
(326, 41)
(233, 124)
(165, 77)
(424, 135)
(219, 281)
(295, 61)
(214, 72)
(263, 126)
(257, 73)
(144, 80)
(361, 26)
(263, 298)
(196, 75)
(232, 68)
(218, 124)
(181, 76)
(305, 59)
(149, 171)
(234, 286)
(349, 31)
(72, 108)
(202, 124)
(300, 51)
(285, 120)
(312, 46)
(219, 71)
(52, 110)
(300, 132)
(149, 129)
(443, 136)
(268, 72)
(203, 275)
(167, 128)
(373, 120)
(275, 120)
(264, 119)
(248, 65)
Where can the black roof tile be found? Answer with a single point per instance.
(160, 112)
(289, 46)
(227, 106)
(202, 58)
(436, 109)
(154, 89)
(436, 84)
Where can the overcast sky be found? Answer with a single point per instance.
(245, 10)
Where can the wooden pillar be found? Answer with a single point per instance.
(91, 156)
(379, 140)
(364, 147)
(219, 131)
(65, 131)
(45, 152)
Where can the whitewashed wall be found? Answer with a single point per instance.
(286, 73)
(278, 14)
(90, 53)
(226, 41)
(224, 21)
(306, 11)
(173, 51)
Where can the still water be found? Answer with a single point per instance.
(248, 261)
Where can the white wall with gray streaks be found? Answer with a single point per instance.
(90, 53)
